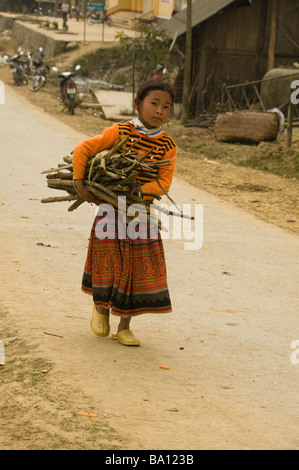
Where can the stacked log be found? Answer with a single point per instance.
(246, 126)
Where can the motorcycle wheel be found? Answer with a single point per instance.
(71, 105)
(89, 21)
(16, 79)
(37, 82)
(20, 79)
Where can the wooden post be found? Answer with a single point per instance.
(187, 65)
(273, 34)
(290, 124)
(84, 21)
(201, 80)
(260, 46)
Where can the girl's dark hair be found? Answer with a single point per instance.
(151, 85)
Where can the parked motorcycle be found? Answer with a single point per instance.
(68, 89)
(28, 64)
(41, 72)
(17, 68)
(95, 18)
(139, 22)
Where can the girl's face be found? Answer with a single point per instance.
(154, 109)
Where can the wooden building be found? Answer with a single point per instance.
(235, 41)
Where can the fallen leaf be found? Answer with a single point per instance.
(15, 261)
(164, 367)
(89, 415)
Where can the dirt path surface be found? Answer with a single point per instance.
(230, 383)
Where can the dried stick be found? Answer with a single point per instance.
(59, 199)
(166, 193)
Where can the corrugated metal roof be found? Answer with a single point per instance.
(201, 10)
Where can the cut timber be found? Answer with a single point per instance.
(246, 126)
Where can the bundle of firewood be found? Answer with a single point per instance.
(108, 175)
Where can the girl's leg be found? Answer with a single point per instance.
(103, 311)
(100, 321)
(124, 335)
(124, 324)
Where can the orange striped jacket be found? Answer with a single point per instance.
(163, 148)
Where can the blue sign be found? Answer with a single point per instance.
(95, 6)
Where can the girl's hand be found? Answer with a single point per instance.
(83, 192)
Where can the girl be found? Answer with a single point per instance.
(128, 276)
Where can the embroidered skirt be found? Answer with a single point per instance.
(126, 274)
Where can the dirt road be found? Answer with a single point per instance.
(230, 383)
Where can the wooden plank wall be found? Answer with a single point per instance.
(232, 46)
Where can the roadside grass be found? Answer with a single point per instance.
(268, 157)
(103, 63)
(283, 162)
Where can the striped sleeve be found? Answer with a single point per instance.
(90, 147)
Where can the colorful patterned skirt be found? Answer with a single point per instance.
(126, 274)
